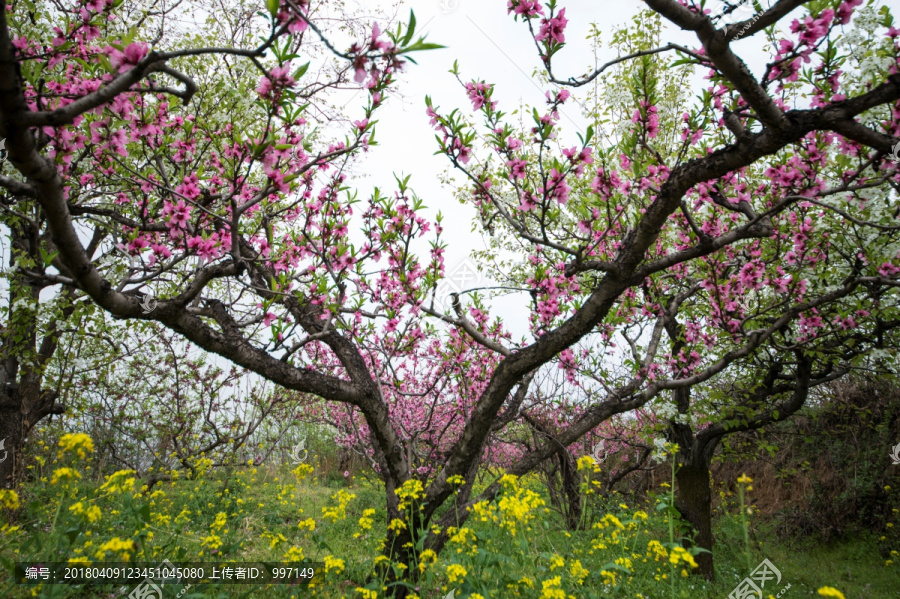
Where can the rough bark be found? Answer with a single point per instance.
(693, 500)
(23, 358)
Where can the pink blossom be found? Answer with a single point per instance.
(131, 56)
(525, 8)
(553, 28)
(278, 78)
(517, 168)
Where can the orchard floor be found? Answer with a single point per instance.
(514, 547)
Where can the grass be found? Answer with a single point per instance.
(515, 547)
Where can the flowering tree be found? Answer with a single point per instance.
(233, 212)
(753, 235)
(30, 335)
(161, 408)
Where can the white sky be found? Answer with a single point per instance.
(488, 45)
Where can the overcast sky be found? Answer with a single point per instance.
(487, 45)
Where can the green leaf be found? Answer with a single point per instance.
(410, 29)
(72, 534)
(301, 71)
(47, 257)
(419, 46)
(272, 5)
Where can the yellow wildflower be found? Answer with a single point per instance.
(831, 592)
(302, 471)
(64, 475)
(212, 541)
(333, 563)
(409, 492)
(552, 590)
(116, 544)
(397, 525)
(309, 523)
(585, 463)
(77, 443)
(294, 554)
(578, 572)
(119, 482)
(680, 553)
(9, 499)
(425, 558)
(456, 572)
(338, 512)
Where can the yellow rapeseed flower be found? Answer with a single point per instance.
(552, 590)
(410, 491)
(744, 479)
(338, 512)
(397, 525)
(77, 443)
(294, 554)
(456, 480)
(119, 482)
(456, 572)
(682, 554)
(9, 499)
(309, 523)
(64, 475)
(212, 541)
(116, 544)
(585, 463)
(831, 592)
(425, 558)
(333, 563)
(578, 572)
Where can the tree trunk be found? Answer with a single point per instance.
(21, 407)
(12, 438)
(694, 501)
(568, 469)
